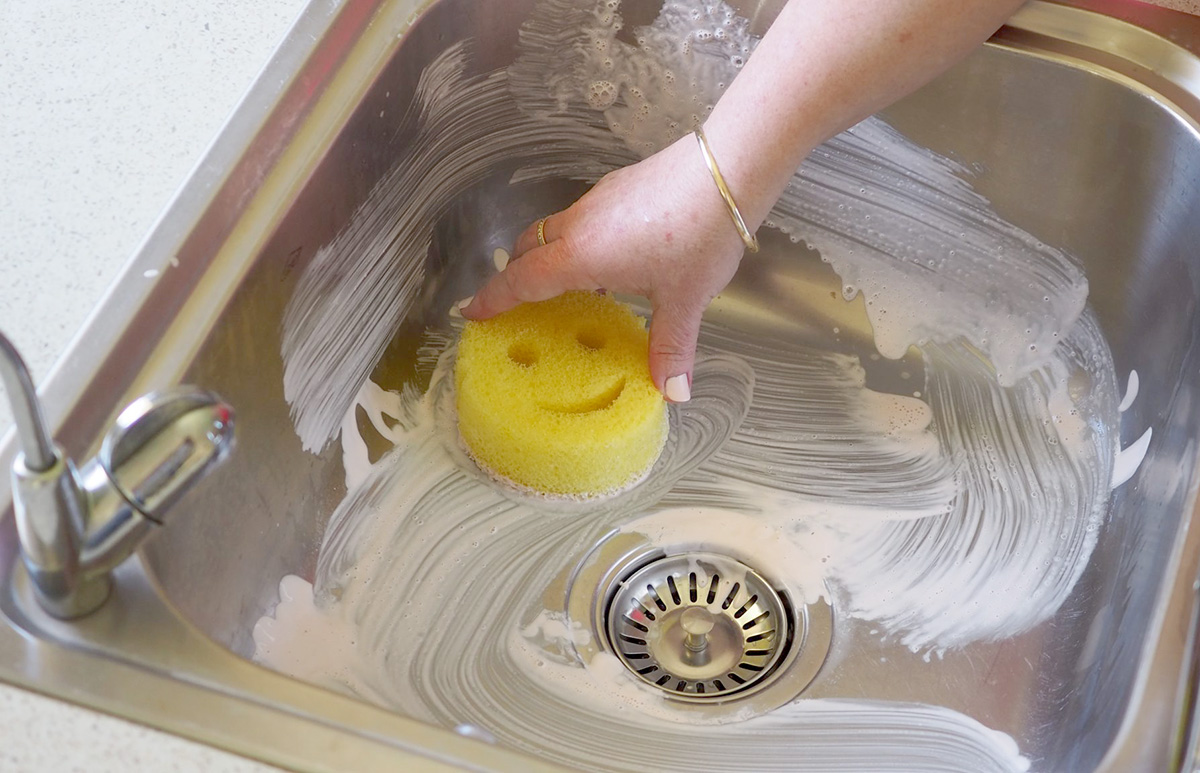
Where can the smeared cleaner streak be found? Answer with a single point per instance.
(1131, 458)
(1131, 392)
(766, 438)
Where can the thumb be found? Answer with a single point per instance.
(673, 334)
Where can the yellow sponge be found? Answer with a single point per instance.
(556, 396)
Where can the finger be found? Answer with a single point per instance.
(541, 274)
(673, 334)
(528, 240)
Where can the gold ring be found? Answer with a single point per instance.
(541, 232)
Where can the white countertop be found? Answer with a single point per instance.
(104, 108)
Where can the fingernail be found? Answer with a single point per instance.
(456, 309)
(677, 389)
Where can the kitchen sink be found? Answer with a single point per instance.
(305, 273)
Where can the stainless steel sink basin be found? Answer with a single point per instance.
(1079, 123)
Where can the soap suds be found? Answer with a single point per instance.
(285, 639)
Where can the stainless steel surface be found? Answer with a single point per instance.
(76, 526)
(699, 625)
(1084, 129)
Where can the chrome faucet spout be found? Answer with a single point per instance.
(27, 411)
(76, 525)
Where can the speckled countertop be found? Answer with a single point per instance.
(104, 107)
(1188, 6)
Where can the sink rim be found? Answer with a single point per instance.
(285, 130)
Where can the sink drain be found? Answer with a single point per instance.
(718, 638)
(699, 625)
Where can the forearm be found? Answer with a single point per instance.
(825, 65)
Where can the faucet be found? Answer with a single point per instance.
(76, 525)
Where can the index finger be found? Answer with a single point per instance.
(545, 272)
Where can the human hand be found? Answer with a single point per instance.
(658, 229)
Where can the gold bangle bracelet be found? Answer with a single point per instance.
(749, 239)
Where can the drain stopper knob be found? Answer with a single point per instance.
(696, 623)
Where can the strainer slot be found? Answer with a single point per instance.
(756, 621)
(712, 588)
(742, 610)
(646, 611)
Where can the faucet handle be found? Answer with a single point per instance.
(164, 442)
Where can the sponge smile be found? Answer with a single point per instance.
(589, 405)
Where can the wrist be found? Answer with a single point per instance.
(745, 233)
(756, 164)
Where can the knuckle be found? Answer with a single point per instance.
(566, 256)
(512, 284)
(672, 349)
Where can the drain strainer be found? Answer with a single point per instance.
(699, 625)
(721, 640)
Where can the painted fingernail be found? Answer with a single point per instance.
(456, 309)
(677, 389)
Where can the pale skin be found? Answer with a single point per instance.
(659, 228)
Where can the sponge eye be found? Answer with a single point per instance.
(590, 339)
(523, 354)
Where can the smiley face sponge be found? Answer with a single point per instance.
(556, 396)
